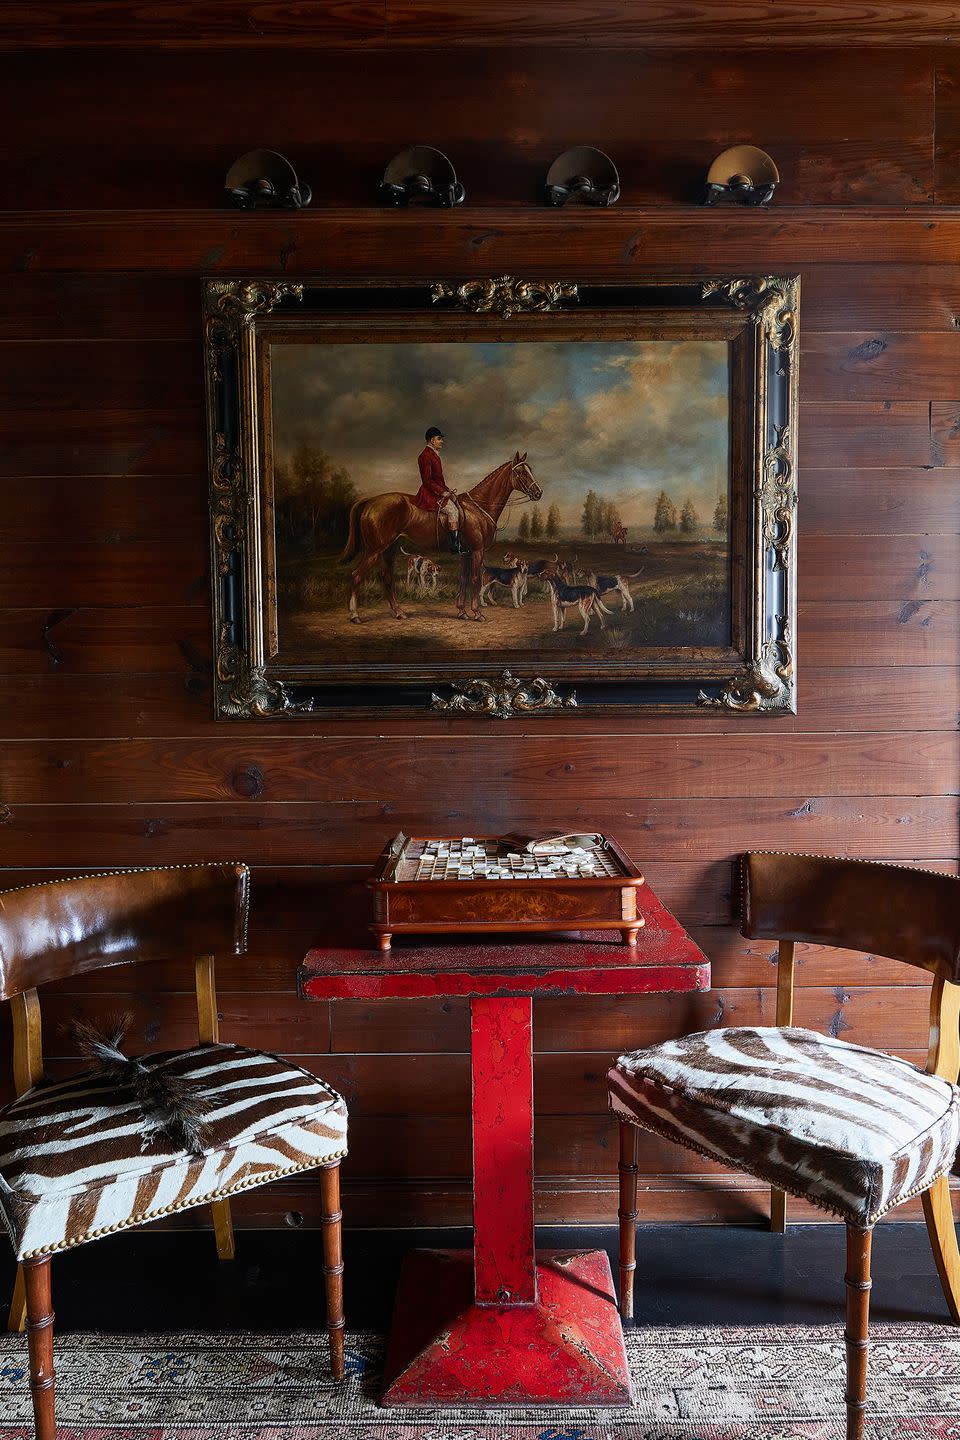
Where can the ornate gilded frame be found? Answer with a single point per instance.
(759, 314)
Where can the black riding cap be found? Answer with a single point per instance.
(434, 430)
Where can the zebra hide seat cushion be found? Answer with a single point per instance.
(852, 1130)
(77, 1160)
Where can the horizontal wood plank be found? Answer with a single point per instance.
(873, 434)
(66, 573)
(122, 374)
(877, 365)
(94, 640)
(535, 774)
(101, 307)
(122, 510)
(911, 632)
(879, 298)
(104, 441)
(690, 828)
(879, 567)
(840, 501)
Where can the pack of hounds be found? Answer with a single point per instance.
(569, 588)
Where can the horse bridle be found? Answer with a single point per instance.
(515, 465)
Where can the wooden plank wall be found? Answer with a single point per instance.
(110, 756)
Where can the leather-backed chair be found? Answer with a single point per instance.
(854, 1131)
(129, 1141)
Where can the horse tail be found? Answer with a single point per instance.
(353, 540)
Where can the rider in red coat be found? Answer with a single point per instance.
(433, 493)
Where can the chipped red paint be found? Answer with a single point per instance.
(507, 1325)
(502, 1056)
(446, 1350)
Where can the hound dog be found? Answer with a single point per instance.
(614, 584)
(538, 569)
(585, 597)
(513, 578)
(422, 573)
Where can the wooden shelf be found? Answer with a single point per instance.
(358, 243)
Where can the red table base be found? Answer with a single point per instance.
(447, 1350)
(508, 1324)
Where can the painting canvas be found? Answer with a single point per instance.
(595, 473)
(502, 496)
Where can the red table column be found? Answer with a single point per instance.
(504, 1263)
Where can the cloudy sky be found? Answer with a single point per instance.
(625, 417)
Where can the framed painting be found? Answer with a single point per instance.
(503, 497)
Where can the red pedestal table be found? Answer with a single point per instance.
(507, 1324)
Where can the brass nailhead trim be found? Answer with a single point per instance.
(777, 1182)
(141, 1216)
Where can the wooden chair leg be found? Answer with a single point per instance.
(333, 1264)
(17, 1314)
(778, 1212)
(859, 1285)
(938, 1213)
(223, 1229)
(40, 1344)
(627, 1214)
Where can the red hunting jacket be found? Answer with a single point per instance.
(433, 486)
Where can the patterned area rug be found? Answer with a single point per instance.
(745, 1384)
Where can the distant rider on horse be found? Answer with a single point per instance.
(433, 493)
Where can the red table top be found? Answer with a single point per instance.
(349, 967)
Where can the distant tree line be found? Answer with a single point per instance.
(312, 499)
(665, 516)
(533, 526)
(600, 517)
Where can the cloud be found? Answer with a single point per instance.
(625, 417)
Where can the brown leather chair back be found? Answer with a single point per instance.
(891, 910)
(66, 927)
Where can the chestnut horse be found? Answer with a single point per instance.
(377, 524)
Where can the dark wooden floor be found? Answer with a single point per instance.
(686, 1275)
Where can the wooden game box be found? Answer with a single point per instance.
(438, 885)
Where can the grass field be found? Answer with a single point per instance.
(681, 599)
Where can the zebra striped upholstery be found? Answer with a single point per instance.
(854, 1131)
(75, 1162)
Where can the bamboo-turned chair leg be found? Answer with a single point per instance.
(942, 1230)
(627, 1214)
(333, 1264)
(223, 1229)
(859, 1285)
(786, 969)
(40, 1344)
(17, 1314)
